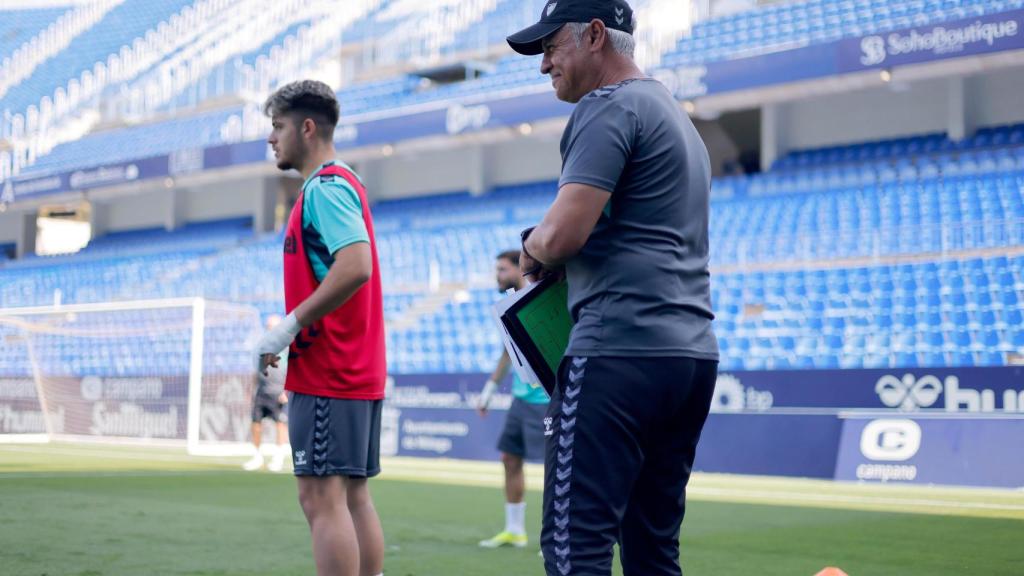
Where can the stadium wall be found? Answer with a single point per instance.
(421, 174)
(995, 98)
(210, 200)
(907, 425)
(233, 198)
(475, 167)
(866, 115)
(219, 202)
(135, 212)
(19, 228)
(903, 109)
(9, 227)
(524, 160)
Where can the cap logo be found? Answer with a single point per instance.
(550, 9)
(619, 19)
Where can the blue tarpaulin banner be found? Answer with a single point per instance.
(968, 37)
(995, 389)
(932, 450)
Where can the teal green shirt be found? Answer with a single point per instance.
(527, 393)
(332, 218)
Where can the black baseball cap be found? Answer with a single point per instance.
(616, 14)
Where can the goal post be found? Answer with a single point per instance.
(176, 371)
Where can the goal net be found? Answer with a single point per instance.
(169, 371)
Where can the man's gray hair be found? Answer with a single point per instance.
(623, 43)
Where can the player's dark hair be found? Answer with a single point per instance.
(306, 99)
(510, 255)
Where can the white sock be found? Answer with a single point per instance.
(515, 518)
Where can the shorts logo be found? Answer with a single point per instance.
(547, 427)
(300, 458)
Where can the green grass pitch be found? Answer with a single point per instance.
(90, 510)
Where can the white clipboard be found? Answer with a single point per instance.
(519, 362)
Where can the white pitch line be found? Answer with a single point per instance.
(734, 494)
(111, 474)
(114, 455)
(789, 497)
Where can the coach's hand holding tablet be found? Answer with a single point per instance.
(532, 269)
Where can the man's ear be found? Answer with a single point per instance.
(598, 34)
(308, 128)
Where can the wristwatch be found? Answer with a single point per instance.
(523, 236)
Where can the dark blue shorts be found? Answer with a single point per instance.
(332, 437)
(523, 434)
(625, 434)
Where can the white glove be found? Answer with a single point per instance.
(278, 338)
(485, 397)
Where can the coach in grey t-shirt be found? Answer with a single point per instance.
(630, 229)
(640, 285)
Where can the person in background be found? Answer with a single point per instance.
(269, 401)
(523, 435)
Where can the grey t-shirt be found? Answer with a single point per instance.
(640, 286)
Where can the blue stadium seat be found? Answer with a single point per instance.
(938, 308)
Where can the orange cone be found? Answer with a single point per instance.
(831, 571)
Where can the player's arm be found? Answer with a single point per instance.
(599, 146)
(504, 364)
(336, 213)
(491, 386)
(567, 225)
(352, 268)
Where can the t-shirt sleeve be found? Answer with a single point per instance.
(336, 212)
(599, 144)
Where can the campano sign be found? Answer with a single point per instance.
(879, 450)
(890, 440)
(955, 449)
